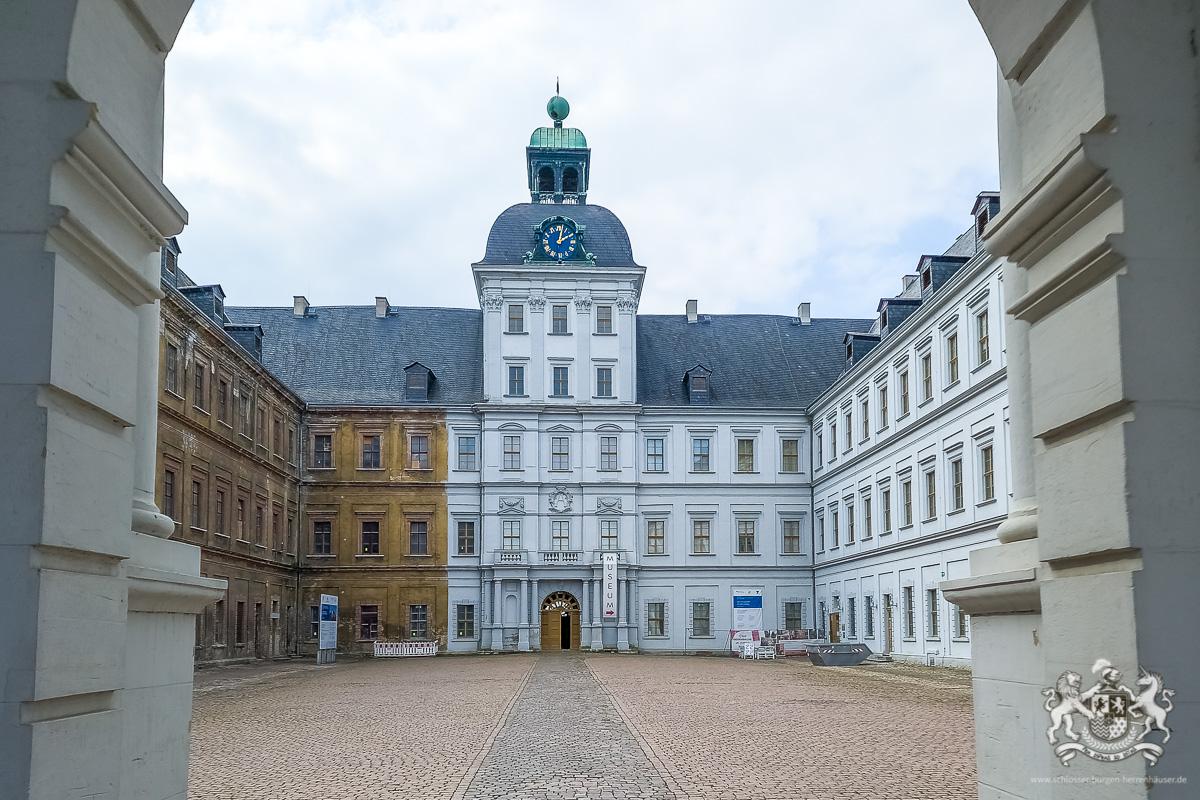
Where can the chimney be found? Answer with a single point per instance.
(804, 312)
(299, 305)
(381, 307)
(692, 313)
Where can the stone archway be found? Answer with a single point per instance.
(560, 622)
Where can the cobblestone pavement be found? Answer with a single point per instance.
(581, 726)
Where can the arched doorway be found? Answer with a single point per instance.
(560, 622)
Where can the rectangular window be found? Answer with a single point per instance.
(909, 615)
(654, 455)
(239, 622)
(849, 429)
(832, 440)
(868, 617)
(608, 453)
(314, 622)
(244, 409)
(987, 488)
(820, 527)
(512, 452)
(418, 451)
(926, 377)
(466, 452)
(561, 386)
(883, 405)
(906, 501)
(466, 538)
(746, 534)
(511, 528)
(982, 347)
(834, 528)
(790, 451)
(885, 500)
(656, 618)
(418, 621)
(291, 451)
(277, 436)
(933, 628)
(220, 521)
(560, 534)
(370, 538)
(219, 622)
(656, 537)
(820, 450)
(558, 319)
(169, 493)
(323, 451)
(852, 615)
(904, 393)
(516, 318)
(322, 537)
(464, 622)
(259, 516)
(930, 495)
(371, 451)
(866, 507)
(961, 624)
(276, 539)
(701, 619)
(604, 322)
(609, 534)
(700, 453)
(745, 455)
(199, 396)
(701, 536)
(197, 510)
(865, 413)
(516, 381)
(952, 358)
(850, 533)
(418, 537)
(793, 615)
(368, 622)
(956, 484)
(261, 430)
(604, 386)
(291, 532)
(791, 536)
(223, 401)
(241, 519)
(560, 453)
(172, 367)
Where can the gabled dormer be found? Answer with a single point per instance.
(893, 311)
(987, 206)
(169, 261)
(858, 345)
(418, 379)
(209, 299)
(250, 337)
(697, 382)
(936, 270)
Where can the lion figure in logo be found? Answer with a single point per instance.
(1062, 701)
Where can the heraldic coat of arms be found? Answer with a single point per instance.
(1116, 719)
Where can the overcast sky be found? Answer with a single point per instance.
(759, 153)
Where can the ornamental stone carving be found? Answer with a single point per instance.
(561, 500)
(537, 302)
(627, 303)
(512, 505)
(608, 505)
(583, 302)
(492, 301)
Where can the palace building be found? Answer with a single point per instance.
(554, 470)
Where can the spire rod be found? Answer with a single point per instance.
(556, 89)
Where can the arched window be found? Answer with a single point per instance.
(570, 180)
(546, 179)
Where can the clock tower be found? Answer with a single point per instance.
(558, 159)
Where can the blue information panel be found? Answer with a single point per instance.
(327, 628)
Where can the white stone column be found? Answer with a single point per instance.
(1022, 511)
(597, 620)
(535, 617)
(146, 516)
(523, 627)
(485, 613)
(498, 611)
(622, 627)
(626, 306)
(585, 619)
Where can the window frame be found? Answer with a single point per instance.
(464, 625)
(609, 453)
(706, 454)
(784, 536)
(739, 464)
(560, 381)
(560, 534)
(514, 323)
(609, 533)
(317, 451)
(661, 455)
(696, 523)
(554, 320)
(314, 548)
(510, 444)
(472, 453)
(420, 451)
(656, 619)
(656, 531)
(741, 525)
(604, 383)
(987, 473)
(471, 540)
(516, 381)
(362, 537)
(560, 453)
(370, 457)
(418, 532)
(929, 478)
(510, 535)
(369, 631)
(707, 618)
(604, 318)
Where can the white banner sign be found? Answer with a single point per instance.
(609, 588)
(327, 628)
(747, 617)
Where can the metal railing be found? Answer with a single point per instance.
(405, 649)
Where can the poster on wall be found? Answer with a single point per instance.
(327, 629)
(747, 618)
(609, 562)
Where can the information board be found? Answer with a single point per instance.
(327, 628)
(609, 588)
(747, 618)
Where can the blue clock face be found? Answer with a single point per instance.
(558, 238)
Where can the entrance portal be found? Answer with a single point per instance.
(560, 622)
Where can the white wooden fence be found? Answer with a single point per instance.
(405, 649)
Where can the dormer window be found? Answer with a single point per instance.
(981, 220)
(926, 278)
(699, 383)
(698, 389)
(417, 378)
(883, 319)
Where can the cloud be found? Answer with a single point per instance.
(760, 154)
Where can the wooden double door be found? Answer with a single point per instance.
(560, 622)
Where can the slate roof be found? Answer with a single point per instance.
(757, 360)
(345, 355)
(511, 236)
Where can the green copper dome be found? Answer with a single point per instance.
(561, 138)
(558, 108)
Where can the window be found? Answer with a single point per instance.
(516, 381)
(370, 537)
(370, 451)
(987, 487)
(868, 617)
(833, 440)
(259, 515)
(219, 622)
(904, 393)
(790, 450)
(609, 534)
(241, 519)
(511, 529)
(793, 615)
(416, 382)
(466, 538)
(561, 385)
(926, 377)
(277, 436)
(604, 319)
(368, 622)
(608, 453)
(865, 415)
(883, 405)
(701, 619)
(172, 366)
(244, 410)
(906, 500)
(822, 619)
(930, 495)
(223, 401)
(885, 500)
(933, 629)
(261, 430)
(820, 450)
(866, 507)
(982, 347)
(745, 455)
(910, 621)
(558, 319)
(323, 537)
(655, 461)
(791, 536)
(512, 452)
(849, 522)
(604, 387)
(276, 540)
(746, 529)
(220, 520)
(418, 451)
(291, 532)
(199, 396)
(834, 528)
(169, 493)
(466, 452)
(323, 451)
(701, 536)
(849, 415)
(516, 318)
(239, 621)
(700, 448)
(952, 358)
(314, 622)
(956, 484)
(560, 534)
(852, 617)
(418, 621)
(961, 624)
(464, 622)
(418, 537)
(560, 453)
(656, 619)
(656, 537)
(197, 510)
(820, 526)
